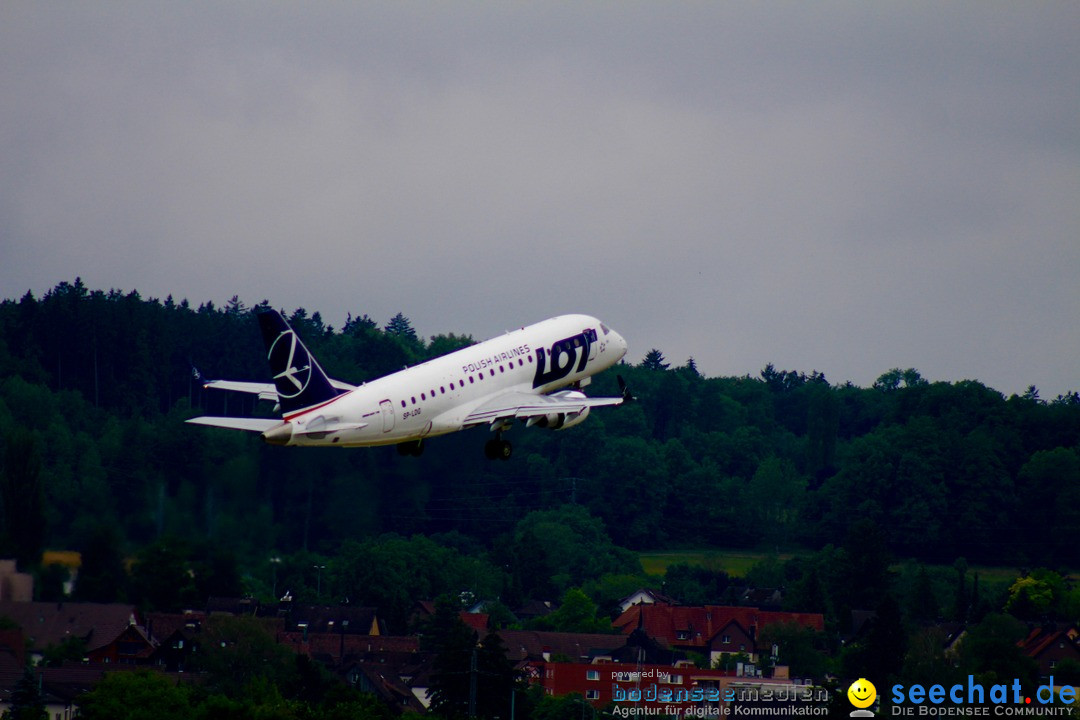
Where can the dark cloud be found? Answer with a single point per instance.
(837, 186)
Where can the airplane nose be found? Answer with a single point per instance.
(620, 343)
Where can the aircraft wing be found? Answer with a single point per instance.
(235, 423)
(518, 405)
(265, 391)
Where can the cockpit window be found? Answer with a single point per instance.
(604, 328)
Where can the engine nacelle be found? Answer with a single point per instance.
(572, 419)
(559, 421)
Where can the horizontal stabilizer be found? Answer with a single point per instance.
(326, 425)
(330, 428)
(234, 423)
(265, 391)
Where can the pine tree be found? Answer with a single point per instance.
(27, 701)
(654, 360)
(400, 326)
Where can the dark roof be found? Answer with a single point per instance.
(233, 606)
(334, 648)
(386, 684)
(340, 619)
(163, 625)
(534, 609)
(640, 647)
(532, 644)
(46, 624)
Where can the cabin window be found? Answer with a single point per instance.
(492, 373)
(402, 403)
(451, 386)
(471, 380)
(423, 396)
(502, 369)
(442, 389)
(413, 401)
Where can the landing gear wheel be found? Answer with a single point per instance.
(498, 449)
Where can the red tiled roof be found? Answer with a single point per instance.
(1039, 640)
(697, 626)
(477, 621)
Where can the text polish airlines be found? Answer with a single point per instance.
(534, 374)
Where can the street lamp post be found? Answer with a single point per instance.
(274, 562)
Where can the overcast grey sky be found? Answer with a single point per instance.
(846, 187)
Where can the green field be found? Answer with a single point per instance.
(734, 562)
(737, 563)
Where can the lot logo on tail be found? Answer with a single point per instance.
(289, 353)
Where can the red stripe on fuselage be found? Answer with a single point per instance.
(305, 411)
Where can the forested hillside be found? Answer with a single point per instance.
(94, 388)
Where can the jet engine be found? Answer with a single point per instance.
(559, 421)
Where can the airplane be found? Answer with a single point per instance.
(534, 374)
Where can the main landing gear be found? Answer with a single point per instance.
(498, 449)
(413, 447)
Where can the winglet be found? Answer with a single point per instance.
(626, 396)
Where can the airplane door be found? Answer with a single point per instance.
(594, 346)
(386, 409)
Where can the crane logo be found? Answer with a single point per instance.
(289, 355)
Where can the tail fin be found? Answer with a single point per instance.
(299, 380)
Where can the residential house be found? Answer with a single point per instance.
(712, 630)
(175, 636)
(50, 624)
(15, 586)
(534, 609)
(764, 598)
(680, 689)
(1048, 646)
(131, 647)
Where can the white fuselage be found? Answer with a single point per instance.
(436, 397)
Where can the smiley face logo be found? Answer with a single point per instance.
(862, 693)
